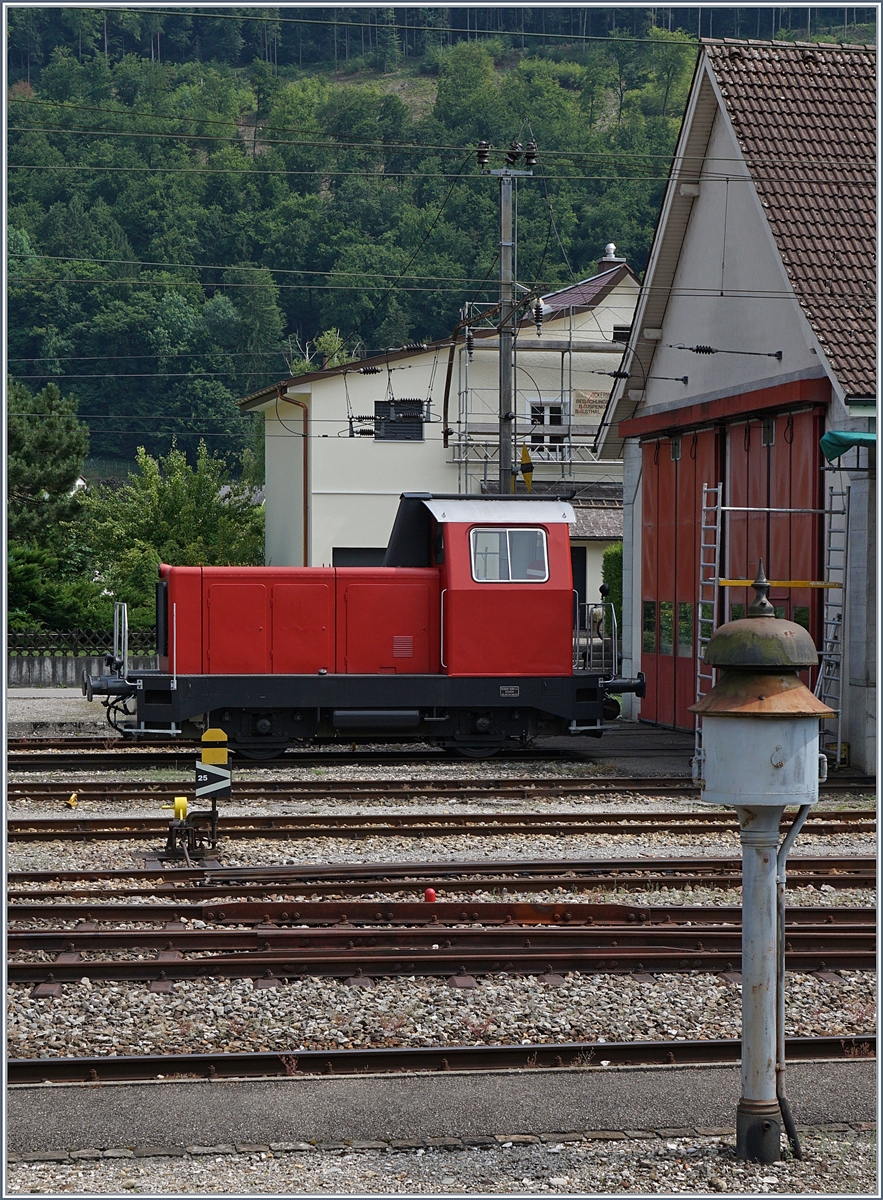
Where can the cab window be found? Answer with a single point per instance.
(509, 555)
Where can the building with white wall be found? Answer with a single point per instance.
(754, 337)
(343, 443)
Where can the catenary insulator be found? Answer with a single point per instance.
(483, 153)
(530, 154)
(369, 370)
(513, 154)
(470, 343)
(538, 315)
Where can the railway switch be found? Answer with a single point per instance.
(760, 753)
(193, 833)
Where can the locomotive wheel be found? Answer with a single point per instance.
(464, 750)
(258, 753)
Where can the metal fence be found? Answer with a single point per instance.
(75, 643)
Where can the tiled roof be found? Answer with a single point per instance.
(587, 292)
(601, 519)
(804, 115)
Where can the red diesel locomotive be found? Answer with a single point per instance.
(465, 637)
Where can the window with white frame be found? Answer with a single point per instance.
(509, 555)
(547, 423)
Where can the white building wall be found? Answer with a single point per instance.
(283, 447)
(728, 248)
(355, 482)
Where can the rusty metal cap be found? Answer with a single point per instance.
(761, 641)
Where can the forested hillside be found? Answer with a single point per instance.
(195, 195)
(182, 227)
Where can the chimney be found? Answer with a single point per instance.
(610, 259)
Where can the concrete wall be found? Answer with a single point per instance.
(64, 671)
(631, 571)
(860, 673)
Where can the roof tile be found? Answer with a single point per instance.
(805, 118)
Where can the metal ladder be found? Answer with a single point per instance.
(829, 684)
(706, 609)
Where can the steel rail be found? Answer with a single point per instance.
(421, 825)
(311, 790)
(282, 913)
(561, 869)
(698, 936)
(360, 878)
(73, 754)
(70, 755)
(383, 1060)
(460, 961)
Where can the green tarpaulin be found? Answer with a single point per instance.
(834, 443)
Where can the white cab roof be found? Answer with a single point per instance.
(502, 512)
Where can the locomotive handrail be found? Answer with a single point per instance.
(594, 655)
(441, 640)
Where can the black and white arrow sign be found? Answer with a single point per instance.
(212, 780)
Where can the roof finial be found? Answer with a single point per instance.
(761, 606)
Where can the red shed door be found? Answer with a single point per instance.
(387, 628)
(238, 641)
(303, 628)
(674, 471)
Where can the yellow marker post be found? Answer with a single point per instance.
(526, 467)
(214, 747)
(213, 775)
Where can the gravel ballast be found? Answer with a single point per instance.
(214, 1015)
(841, 1162)
(320, 1014)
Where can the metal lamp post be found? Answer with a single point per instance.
(760, 752)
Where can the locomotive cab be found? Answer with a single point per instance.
(464, 637)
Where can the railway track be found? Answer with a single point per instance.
(34, 754)
(78, 754)
(310, 790)
(423, 825)
(365, 915)
(361, 941)
(354, 879)
(109, 1068)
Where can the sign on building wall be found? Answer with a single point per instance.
(589, 404)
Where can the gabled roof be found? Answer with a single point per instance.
(589, 292)
(586, 294)
(805, 119)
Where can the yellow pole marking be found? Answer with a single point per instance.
(213, 753)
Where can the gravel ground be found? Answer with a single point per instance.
(798, 898)
(94, 1018)
(253, 852)
(805, 897)
(20, 805)
(834, 1164)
